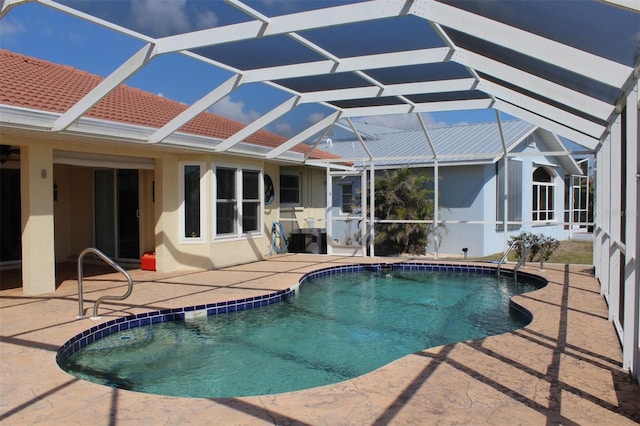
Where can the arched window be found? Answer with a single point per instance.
(542, 205)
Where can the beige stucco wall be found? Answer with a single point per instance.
(173, 252)
(58, 231)
(36, 182)
(311, 211)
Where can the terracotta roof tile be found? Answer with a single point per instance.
(41, 85)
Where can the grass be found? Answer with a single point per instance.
(570, 251)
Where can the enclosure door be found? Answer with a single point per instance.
(117, 214)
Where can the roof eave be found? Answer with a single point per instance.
(41, 121)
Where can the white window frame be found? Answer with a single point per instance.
(535, 191)
(342, 194)
(299, 189)
(203, 201)
(239, 232)
(259, 200)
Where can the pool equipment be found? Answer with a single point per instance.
(278, 234)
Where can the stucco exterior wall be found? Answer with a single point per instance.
(310, 212)
(57, 231)
(462, 199)
(552, 228)
(36, 186)
(173, 252)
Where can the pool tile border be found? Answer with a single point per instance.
(99, 331)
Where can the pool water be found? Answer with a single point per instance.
(335, 328)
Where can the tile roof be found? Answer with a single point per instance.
(41, 85)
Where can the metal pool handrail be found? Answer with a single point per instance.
(523, 259)
(109, 262)
(506, 253)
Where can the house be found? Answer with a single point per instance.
(99, 183)
(468, 162)
(572, 72)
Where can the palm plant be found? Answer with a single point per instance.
(402, 194)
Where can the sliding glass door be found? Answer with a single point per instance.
(117, 214)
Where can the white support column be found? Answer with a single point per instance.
(38, 240)
(363, 211)
(329, 210)
(436, 206)
(302, 136)
(140, 59)
(570, 202)
(436, 187)
(199, 106)
(372, 206)
(7, 5)
(258, 124)
(614, 223)
(605, 219)
(598, 213)
(505, 199)
(364, 145)
(631, 285)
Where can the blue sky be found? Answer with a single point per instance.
(36, 30)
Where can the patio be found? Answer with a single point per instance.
(564, 367)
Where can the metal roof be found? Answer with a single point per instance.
(460, 144)
(561, 65)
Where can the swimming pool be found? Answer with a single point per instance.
(340, 323)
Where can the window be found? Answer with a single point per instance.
(347, 198)
(191, 190)
(226, 213)
(289, 189)
(238, 200)
(250, 200)
(542, 201)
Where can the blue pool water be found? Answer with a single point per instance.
(335, 328)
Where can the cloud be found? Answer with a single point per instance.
(10, 28)
(207, 19)
(165, 17)
(400, 121)
(315, 117)
(160, 17)
(284, 129)
(234, 110)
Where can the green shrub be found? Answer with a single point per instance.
(547, 244)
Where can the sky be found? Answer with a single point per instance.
(36, 30)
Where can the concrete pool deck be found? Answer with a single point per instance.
(563, 368)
